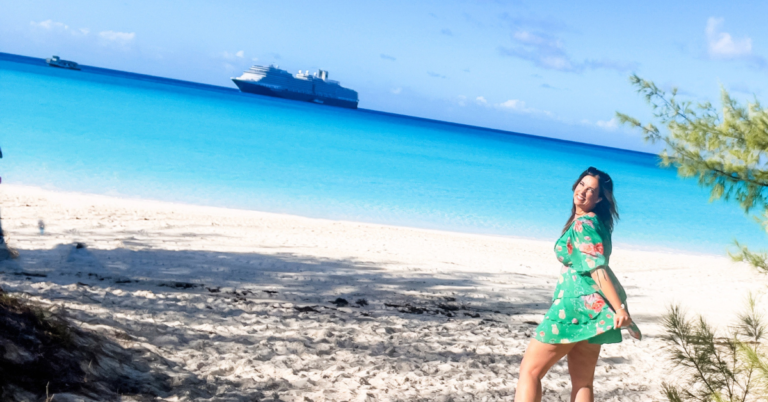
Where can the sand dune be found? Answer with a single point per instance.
(241, 304)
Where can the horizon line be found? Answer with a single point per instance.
(17, 58)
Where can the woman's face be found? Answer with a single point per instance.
(587, 193)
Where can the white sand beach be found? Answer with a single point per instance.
(236, 305)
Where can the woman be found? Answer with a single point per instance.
(589, 305)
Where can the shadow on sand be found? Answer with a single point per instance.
(193, 310)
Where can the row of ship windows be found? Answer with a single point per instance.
(289, 82)
(310, 92)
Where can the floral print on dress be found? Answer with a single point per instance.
(579, 311)
(594, 302)
(591, 249)
(578, 225)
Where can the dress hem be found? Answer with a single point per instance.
(590, 339)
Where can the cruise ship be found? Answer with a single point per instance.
(317, 88)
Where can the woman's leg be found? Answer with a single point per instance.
(582, 360)
(538, 359)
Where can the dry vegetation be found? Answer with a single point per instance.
(42, 354)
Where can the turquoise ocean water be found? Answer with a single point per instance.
(112, 133)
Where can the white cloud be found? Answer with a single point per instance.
(609, 125)
(545, 51)
(722, 45)
(119, 37)
(240, 54)
(516, 105)
(49, 24)
(548, 52)
(513, 104)
(396, 91)
(255, 58)
(533, 39)
(58, 27)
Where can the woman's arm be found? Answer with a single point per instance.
(621, 318)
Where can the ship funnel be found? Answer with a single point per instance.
(322, 74)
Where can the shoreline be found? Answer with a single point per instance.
(149, 202)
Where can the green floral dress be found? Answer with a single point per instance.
(579, 310)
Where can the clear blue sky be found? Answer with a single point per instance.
(555, 69)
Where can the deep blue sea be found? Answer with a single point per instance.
(107, 132)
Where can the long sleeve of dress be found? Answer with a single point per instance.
(588, 246)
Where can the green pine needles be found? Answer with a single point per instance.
(732, 368)
(726, 149)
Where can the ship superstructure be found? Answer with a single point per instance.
(272, 81)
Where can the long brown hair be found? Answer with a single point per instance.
(606, 209)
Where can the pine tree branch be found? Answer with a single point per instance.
(756, 260)
(678, 331)
(747, 384)
(726, 149)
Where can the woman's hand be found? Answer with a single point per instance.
(621, 319)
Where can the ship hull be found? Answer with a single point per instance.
(66, 67)
(255, 88)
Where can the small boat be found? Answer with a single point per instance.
(55, 61)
